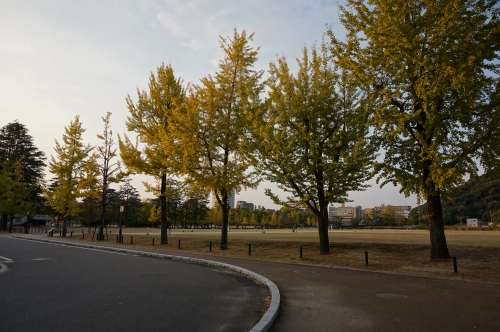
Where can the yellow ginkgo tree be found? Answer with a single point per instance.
(150, 118)
(207, 137)
(67, 166)
(310, 139)
(432, 72)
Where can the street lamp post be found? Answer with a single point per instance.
(120, 230)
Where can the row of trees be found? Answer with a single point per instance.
(306, 137)
(417, 79)
(82, 171)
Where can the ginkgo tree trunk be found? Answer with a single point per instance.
(311, 139)
(207, 134)
(432, 69)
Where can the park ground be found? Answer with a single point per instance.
(394, 251)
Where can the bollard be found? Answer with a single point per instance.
(455, 268)
(83, 236)
(366, 257)
(179, 244)
(300, 252)
(117, 239)
(249, 249)
(131, 240)
(210, 246)
(71, 234)
(153, 241)
(121, 240)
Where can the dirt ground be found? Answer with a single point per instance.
(397, 251)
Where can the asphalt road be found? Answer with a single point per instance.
(53, 288)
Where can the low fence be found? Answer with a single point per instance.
(38, 231)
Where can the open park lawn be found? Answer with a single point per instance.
(397, 251)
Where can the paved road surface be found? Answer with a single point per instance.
(326, 299)
(57, 288)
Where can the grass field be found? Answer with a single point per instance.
(399, 251)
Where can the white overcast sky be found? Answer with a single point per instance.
(60, 58)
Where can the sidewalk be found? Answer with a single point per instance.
(327, 299)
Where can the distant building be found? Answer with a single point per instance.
(403, 210)
(41, 219)
(474, 222)
(244, 205)
(347, 213)
(230, 200)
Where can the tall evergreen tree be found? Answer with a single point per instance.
(14, 192)
(129, 198)
(432, 68)
(17, 145)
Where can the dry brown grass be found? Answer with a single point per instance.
(478, 253)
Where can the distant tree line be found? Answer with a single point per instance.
(479, 197)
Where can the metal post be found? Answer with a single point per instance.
(366, 257)
(300, 252)
(179, 244)
(249, 249)
(131, 240)
(455, 269)
(210, 246)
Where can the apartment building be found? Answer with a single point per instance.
(345, 212)
(231, 200)
(403, 210)
(244, 205)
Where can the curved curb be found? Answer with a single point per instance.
(262, 326)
